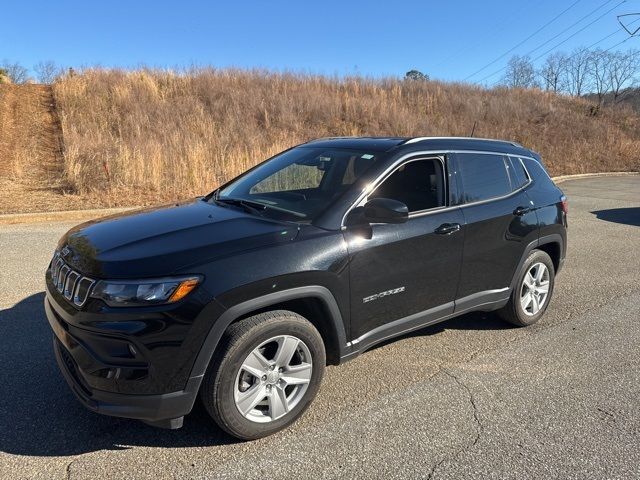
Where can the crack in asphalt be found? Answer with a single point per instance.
(477, 421)
(461, 370)
(472, 400)
(68, 469)
(480, 427)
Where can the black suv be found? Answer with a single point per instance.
(310, 258)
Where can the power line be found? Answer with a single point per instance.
(611, 35)
(495, 29)
(596, 43)
(626, 39)
(563, 41)
(603, 39)
(523, 41)
(576, 33)
(556, 36)
(571, 26)
(617, 44)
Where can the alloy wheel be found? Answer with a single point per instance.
(535, 289)
(273, 378)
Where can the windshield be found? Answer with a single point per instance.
(298, 184)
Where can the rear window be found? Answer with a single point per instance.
(483, 176)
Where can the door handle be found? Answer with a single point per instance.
(520, 211)
(447, 228)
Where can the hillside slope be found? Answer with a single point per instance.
(143, 137)
(629, 97)
(31, 160)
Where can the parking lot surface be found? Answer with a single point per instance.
(468, 398)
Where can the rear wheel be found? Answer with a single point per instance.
(531, 296)
(266, 374)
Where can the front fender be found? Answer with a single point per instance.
(233, 313)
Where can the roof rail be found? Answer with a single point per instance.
(419, 139)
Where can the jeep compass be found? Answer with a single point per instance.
(242, 297)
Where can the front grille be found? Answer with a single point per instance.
(71, 284)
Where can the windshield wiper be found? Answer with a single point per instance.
(249, 205)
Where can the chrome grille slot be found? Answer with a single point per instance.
(82, 291)
(62, 277)
(57, 263)
(70, 283)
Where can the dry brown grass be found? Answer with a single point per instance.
(144, 136)
(31, 160)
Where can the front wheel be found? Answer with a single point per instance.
(531, 296)
(266, 374)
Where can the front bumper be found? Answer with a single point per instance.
(164, 410)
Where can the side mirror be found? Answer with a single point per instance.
(385, 210)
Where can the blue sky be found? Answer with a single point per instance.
(450, 40)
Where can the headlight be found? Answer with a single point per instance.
(131, 293)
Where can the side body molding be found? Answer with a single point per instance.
(488, 300)
(236, 311)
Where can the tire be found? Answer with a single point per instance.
(238, 375)
(515, 312)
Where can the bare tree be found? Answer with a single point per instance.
(577, 72)
(623, 68)
(553, 72)
(47, 72)
(599, 66)
(16, 72)
(520, 73)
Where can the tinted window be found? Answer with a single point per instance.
(483, 176)
(292, 177)
(517, 172)
(298, 184)
(536, 170)
(418, 184)
(355, 167)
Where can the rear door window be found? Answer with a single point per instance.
(483, 176)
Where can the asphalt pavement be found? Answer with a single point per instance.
(469, 398)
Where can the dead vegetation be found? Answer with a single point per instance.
(135, 137)
(31, 160)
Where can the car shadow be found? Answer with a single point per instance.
(628, 216)
(40, 416)
(468, 321)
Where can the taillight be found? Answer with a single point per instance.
(564, 204)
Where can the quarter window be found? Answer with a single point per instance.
(517, 172)
(419, 184)
(483, 176)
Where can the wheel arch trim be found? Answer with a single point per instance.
(233, 313)
(544, 240)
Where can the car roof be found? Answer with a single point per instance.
(386, 144)
(378, 144)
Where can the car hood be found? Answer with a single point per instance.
(162, 240)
